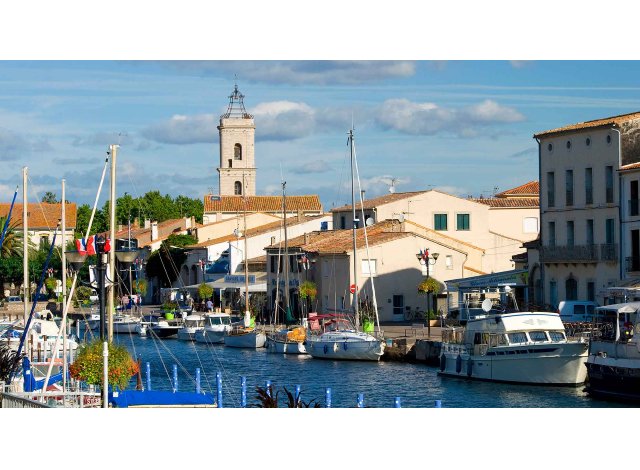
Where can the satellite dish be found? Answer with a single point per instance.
(400, 217)
(486, 305)
(369, 222)
(507, 289)
(392, 189)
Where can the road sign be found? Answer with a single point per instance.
(352, 288)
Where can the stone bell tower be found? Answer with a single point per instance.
(237, 170)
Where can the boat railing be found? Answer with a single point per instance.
(453, 335)
(11, 398)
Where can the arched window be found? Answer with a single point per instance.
(571, 289)
(237, 188)
(237, 152)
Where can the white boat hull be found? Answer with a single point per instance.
(251, 340)
(285, 347)
(210, 336)
(188, 334)
(125, 327)
(545, 364)
(345, 346)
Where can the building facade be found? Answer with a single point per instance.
(586, 217)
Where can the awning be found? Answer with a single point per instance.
(221, 284)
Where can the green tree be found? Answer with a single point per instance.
(181, 240)
(50, 198)
(100, 221)
(164, 264)
(205, 291)
(12, 244)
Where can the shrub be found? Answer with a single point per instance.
(205, 291)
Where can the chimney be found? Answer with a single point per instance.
(187, 222)
(154, 230)
(147, 223)
(306, 238)
(119, 227)
(136, 222)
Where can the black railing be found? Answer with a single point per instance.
(575, 253)
(609, 252)
(632, 263)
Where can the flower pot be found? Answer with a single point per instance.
(367, 326)
(169, 316)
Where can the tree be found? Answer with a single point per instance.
(164, 264)
(88, 365)
(12, 244)
(205, 291)
(181, 240)
(429, 286)
(50, 198)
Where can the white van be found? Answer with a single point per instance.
(576, 310)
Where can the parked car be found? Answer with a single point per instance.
(577, 310)
(14, 299)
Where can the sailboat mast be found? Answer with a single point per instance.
(64, 285)
(247, 314)
(355, 224)
(25, 253)
(287, 305)
(112, 234)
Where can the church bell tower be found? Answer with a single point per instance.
(237, 170)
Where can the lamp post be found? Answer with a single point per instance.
(427, 260)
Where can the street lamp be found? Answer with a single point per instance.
(427, 260)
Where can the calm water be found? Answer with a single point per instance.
(417, 385)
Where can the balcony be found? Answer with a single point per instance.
(570, 254)
(609, 252)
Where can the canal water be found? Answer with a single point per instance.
(417, 385)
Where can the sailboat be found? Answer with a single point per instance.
(245, 335)
(289, 340)
(333, 336)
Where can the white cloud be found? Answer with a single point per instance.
(316, 166)
(181, 129)
(428, 118)
(283, 120)
(321, 72)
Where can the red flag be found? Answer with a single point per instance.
(80, 246)
(107, 246)
(91, 246)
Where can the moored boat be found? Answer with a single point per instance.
(337, 338)
(125, 324)
(192, 324)
(244, 337)
(288, 341)
(215, 327)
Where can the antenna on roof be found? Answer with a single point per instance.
(392, 187)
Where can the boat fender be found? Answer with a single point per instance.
(326, 349)
(458, 364)
(469, 367)
(443, 362)
(335, 347)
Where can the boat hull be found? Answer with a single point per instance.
(614, 370)
(188, 334)
(252, 340)
(285, 347)
(163, 332)
(125, 327)
(210, 336)
(546, 364)
(345, 346)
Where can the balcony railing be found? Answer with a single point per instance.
(609, 252)
(575, 253)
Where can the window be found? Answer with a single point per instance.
(538, 336)
(609, 139)
(588, 186)
(570, 233)
(448, 262)
(569, 187)
(571, 289)
(365, 266)
(552, 234)
(556, 335)
(343, 222)
(272, 263)
(589, 231)
(551, 189)
(553, 293)
(568, 145)
(609, 184)
(237, 188)
(440, 221)
(44, 241)
(530, 225)
(462, 222)
(550, 148)
(633, 198)
(591, 290)
(609, 232)
(237, 152)
(398, 305)
(230, 163)
(588, 141)
(519, 337)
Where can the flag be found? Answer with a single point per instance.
(81, 246)
(107, 245)
(91, 245)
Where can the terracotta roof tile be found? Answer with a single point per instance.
(42, 216)
(379, 201)
(310, 203)
(604, 122)
(518, 202)
(530, 189)
(631, 166)
(341, 241)
(442, 235)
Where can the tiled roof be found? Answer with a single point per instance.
(309, 203)
(469, 268)
(143, 235)
(41, 215)
(518, 202)
(259, 230)
(530, 189)
(520, 256)
(379, 201)
(442, 235)
(341, 241)
(610, 121)
(631, 166)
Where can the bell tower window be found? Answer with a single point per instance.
(237, 152)
(230, 163)
(237, 188)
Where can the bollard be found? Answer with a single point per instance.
(197, 380)
(297, 395)
(360, 400)
(327, 397)
(438, 404)
(268, 388)
(148, 373)
(219, 388)
(243, 392)
(175, 378)
(396, 403)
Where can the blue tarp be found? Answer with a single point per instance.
(129, 398)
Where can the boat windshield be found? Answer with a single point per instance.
(538, 336)
(557, 335)
(517, 337)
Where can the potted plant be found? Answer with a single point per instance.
(88, 366)
(428, 287)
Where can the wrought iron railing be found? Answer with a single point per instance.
(609, 252)
(632, 263)
(574, 253)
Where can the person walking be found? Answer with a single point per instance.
(209, 306)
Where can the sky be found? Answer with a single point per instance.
(464, 127)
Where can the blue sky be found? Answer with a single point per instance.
(461, 126)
